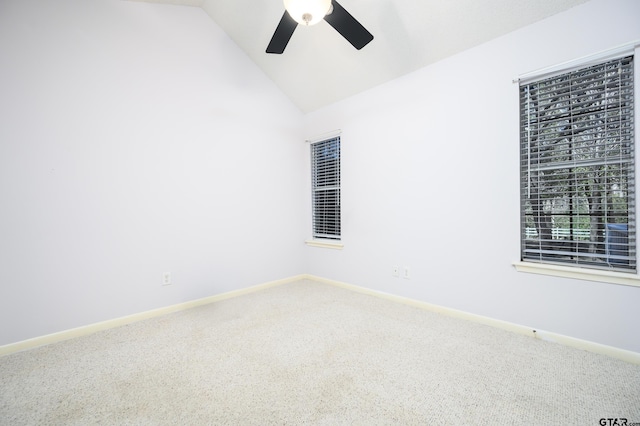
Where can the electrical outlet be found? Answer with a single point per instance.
(395, 271)
(406, 273)
(166, 278)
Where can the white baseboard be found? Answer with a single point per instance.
(622, 354)
(625, 355)
(117, 322)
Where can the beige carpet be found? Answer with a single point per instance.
(310, 353)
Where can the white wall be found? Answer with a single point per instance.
(136, 139)
(430, 180)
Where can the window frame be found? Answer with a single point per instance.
(326, 225)
(630, 277)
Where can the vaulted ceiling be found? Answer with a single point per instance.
(320, 67)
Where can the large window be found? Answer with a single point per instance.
(577, 166)
(325, 188)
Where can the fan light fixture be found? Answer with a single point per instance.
(307, 12)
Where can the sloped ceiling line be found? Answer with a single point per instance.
(319, 67)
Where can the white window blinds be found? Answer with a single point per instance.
(325, 186)
(577, 165)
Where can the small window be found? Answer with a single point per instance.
(577, 164)
(325, 188)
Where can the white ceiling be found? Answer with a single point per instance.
(320, 67)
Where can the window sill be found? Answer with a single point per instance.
(325, 244)
(579, 273)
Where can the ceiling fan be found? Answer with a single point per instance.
(310, 12)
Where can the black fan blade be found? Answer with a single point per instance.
(348, 26)
(283, 34)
